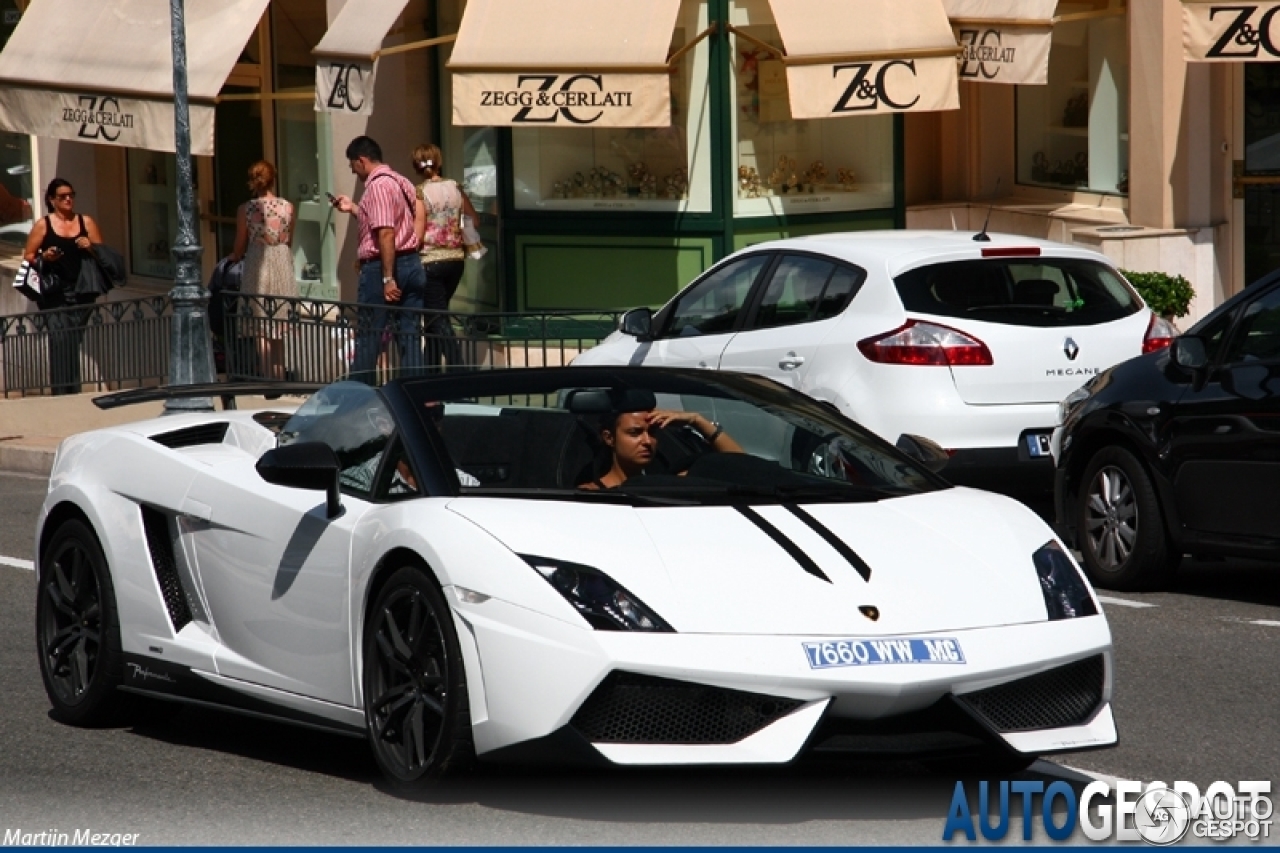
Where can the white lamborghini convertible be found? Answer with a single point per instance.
(438, 565)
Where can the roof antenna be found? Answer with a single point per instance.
(982, 236)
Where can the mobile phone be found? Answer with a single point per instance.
(333, 199)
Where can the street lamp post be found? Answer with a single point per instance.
(190, 352)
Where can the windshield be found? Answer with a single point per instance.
(1038, 291)
(661, 436)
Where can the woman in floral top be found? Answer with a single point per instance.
(264, 230)
(441, 250)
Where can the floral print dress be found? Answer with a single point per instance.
(268, 262)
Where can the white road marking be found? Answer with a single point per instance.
(1270, 623)
(18, 564)
(1124, 602)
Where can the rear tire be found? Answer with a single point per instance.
(415, 688)
(78, 629)
(1120, 529)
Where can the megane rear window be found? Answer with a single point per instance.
(740, 440)
(1040, 291)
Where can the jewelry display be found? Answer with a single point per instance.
(847, 179)
(814, 175)
(677, 184)
(748, 182)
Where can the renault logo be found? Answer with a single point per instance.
(1071, 349)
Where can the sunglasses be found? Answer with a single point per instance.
(63, 196)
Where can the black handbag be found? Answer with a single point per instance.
(100, 272)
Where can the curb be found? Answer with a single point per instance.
(27, 458)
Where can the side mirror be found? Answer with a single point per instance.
(928, 453)
(1188, 352)
(306, 465)
(638, 322)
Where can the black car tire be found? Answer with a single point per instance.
(1119, 527)
(78, 629)
(415, 688)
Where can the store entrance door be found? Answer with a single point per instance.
(1257, 176)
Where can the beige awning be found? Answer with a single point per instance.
(564, 63)
(861, 57)
(102, 71)
(1003, 41)
(346, 56)
(1226, 32)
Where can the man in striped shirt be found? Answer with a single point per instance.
(390, 272)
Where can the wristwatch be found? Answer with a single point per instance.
(717, 429)
(388, 278)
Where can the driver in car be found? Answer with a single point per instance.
(632, 441)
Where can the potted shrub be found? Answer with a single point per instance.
(1168, 295)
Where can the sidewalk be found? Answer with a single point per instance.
(32, 427)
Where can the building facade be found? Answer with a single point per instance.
(1126, 146)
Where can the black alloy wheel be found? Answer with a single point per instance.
(77, 629)
(415, 693)
(1120, 529)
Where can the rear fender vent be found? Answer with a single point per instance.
(193, 436)
(160, 544)
(631, 708)
(1064, 696)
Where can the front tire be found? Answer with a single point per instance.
(1121, 531)
(415, 689)
(78, 629)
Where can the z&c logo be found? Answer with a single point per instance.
(97, 116)
(347, 87)
(1242, 39)
(867, 90)
(571, 100)
(983, 49)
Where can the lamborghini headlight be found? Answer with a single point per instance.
(1066, 595)
(601, 600)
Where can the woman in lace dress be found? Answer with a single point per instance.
(264, 230)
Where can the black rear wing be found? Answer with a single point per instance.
(228, 391)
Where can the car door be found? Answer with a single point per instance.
(1224, 442)
(275, 568)
(695, 329)
(795, 313)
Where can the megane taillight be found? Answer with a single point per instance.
(919, 342)
(1160, 334)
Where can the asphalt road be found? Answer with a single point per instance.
(1196, 698)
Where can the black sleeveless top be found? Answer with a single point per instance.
(67, 267)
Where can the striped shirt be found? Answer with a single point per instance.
(387, 203)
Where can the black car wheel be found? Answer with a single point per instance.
(415, 690)
(1120, 529)
(77, 629)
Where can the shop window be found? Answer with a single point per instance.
(153, 212)
(296, 28)
(664, 169)
(795, 167)
(1073, 132)
(17, 195)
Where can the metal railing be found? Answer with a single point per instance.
(104, 346)
(311, 340)
(124, 344)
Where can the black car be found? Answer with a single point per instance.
(1178, 452)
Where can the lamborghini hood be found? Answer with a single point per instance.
(941, 561)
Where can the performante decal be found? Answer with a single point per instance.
(833, 540)
(790, 547)
(902, 650)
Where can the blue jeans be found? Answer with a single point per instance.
(372, 318)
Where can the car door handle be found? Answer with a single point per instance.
(791, 362)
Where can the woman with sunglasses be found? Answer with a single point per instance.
(57, 245)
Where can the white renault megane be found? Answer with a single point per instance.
(618, 565)
(971, 342)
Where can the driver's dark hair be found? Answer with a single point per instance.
(364, 146)
(52, 190)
